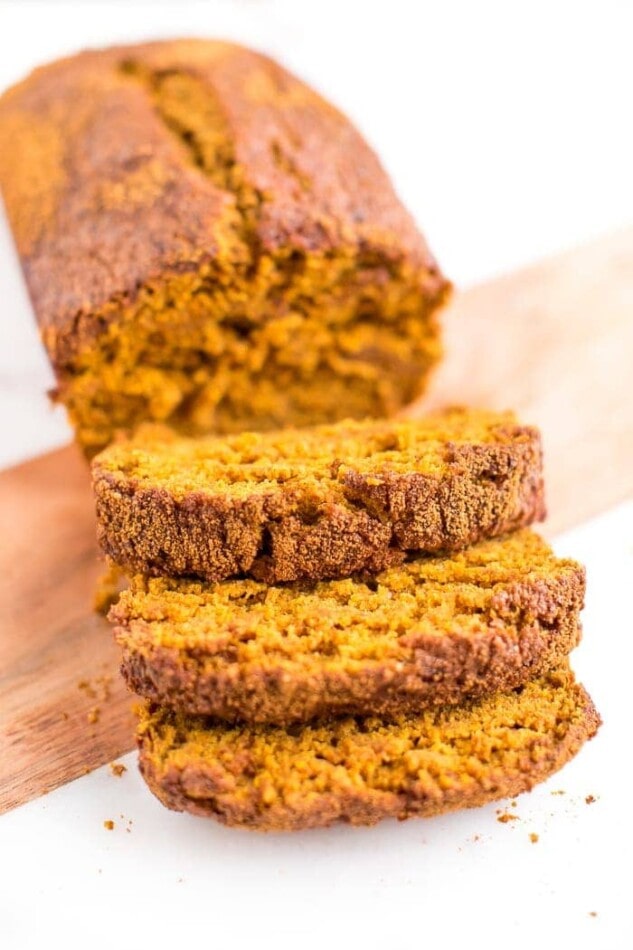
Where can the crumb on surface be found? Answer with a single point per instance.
(97, 688)
(558, 791)
(533, 837)
(85, 686)
(117, 769)
(108, 824)
(590, 799)
(593, 913)
(507, 816)
(104, 685)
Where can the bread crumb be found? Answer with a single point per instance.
(507, 816)
(590, 799)
(559, 791)
(117, 768)
(533, 837)
(98, 688)
(108, 824)
(85, 687)
(593, 913)
(105, 682)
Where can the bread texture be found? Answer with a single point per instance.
(208, 242)
(359, 771)
(315, 503)
(435, 630)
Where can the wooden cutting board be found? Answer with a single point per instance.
(554, 341)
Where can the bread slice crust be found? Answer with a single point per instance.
(432, 631)
(359, 771)
(323, 502)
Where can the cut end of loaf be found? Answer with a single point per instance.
(303, 339)
(209, 243)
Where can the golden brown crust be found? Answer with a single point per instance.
(436, 673)
(361, 771)
(434, 631)
(138, 178)
(116, 130)
(447, 481)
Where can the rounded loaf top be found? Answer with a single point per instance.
(208, 242)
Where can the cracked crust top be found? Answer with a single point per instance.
(316, 503)
(98, 184)
(209, 243)
(362, 770)
(434, 630)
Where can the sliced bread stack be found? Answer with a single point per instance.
(342, 623)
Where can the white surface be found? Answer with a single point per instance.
(177, 878)
(508, 135)
(506, 127)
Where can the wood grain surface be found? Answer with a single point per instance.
(58, 663)
(554, 341)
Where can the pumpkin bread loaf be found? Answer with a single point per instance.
(315, 503)
(207, 242)
(434, 630)
(359, 770)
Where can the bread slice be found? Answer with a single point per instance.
(207, 242)
(316, 503)
(434, 630)
(362, 770)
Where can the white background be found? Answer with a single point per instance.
(507, 129)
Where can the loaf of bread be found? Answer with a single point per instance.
(315, 503)
(208, 242)
(362, 770)
(434, 630)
